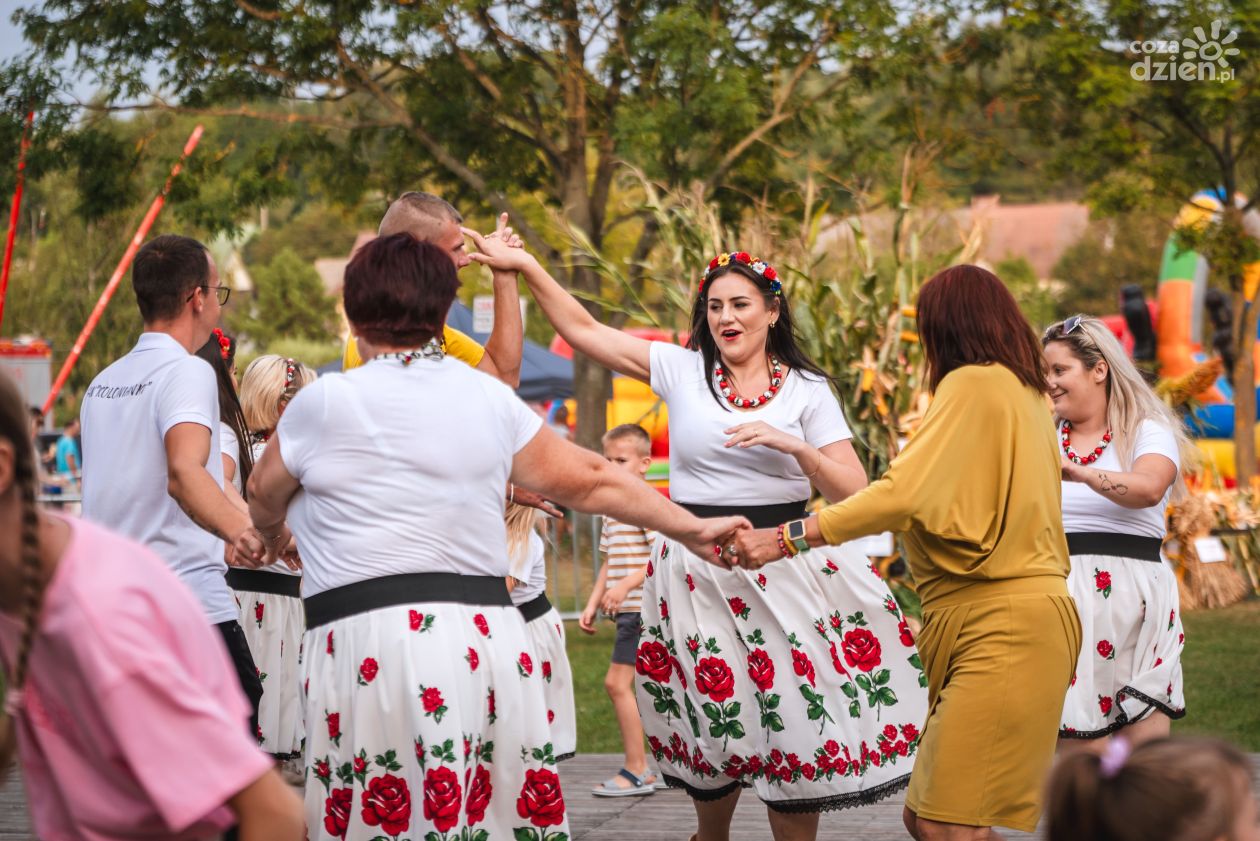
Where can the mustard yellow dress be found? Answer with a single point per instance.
(976, 495)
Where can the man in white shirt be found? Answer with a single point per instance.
(151, 465)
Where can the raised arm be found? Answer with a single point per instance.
(609, 347)
(502, 359)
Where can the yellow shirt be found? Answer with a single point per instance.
(975, 492)
(456, 343)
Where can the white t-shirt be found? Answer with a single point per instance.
(529, 568)
(403, 469)
(1084, 509)
(256, 450)
(229, 447)
(126, 413)
(704, 472)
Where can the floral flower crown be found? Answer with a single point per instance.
(225, 344)
(761, 267)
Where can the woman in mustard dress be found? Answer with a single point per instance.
(976, 496)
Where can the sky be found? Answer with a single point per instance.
(10, 37)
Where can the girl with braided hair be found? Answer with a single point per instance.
(115, 684)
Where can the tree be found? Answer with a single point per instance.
(1089, 76)
(1113, 253)
(289, 302)
(508, 102)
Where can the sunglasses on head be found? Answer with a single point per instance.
(1071, 324)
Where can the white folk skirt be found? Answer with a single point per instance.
(551, 659)
(800, 680)
(434, 726)
(273, 628)
(1130, 661)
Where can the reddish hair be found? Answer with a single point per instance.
(398, 290)
(968, 317)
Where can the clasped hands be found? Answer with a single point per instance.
(733, 542)
(251, 549)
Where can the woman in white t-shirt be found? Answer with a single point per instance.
(1122, 453)
(527, 581)
(802, 680)
(391, 476)
(269, 598)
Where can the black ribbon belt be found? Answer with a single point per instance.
(410, 588)
(257, 581)
(1117, 545)
(761, 516)
(535, 608)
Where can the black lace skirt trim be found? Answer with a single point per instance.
(562, 757)
(1121, 723)
(815, 804)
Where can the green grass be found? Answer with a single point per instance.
(589, 657)
(1222, 674)
(1221, 662)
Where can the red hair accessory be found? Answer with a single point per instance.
(290, 371)
(761, 267)
(225, 344)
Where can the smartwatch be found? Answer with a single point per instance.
(795, 534)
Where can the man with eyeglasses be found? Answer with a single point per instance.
(151, 466)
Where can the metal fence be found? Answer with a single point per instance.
(572, 561)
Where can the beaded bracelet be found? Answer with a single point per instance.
(785, 547)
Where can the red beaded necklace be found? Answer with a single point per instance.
(1088, 458)
(733, 397)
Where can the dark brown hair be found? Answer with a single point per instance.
(968, 317)
(230, 411)
(167, 269)
(398, 290)
(1166, 790)
(15, 428)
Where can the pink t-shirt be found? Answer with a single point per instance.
(133, 723)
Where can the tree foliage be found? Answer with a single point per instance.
(511, 103)
(1087, 76)
(289, 302)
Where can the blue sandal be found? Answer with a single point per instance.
(638, 787)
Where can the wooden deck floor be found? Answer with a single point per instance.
(663, 816)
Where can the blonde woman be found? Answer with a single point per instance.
(527, 582)
(1122, 450)
(268, 598)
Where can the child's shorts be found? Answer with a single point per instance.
(626, 647)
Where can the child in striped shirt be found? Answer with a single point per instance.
(618, 591)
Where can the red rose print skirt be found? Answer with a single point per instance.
(1130, 661)
(429, 721)
(800, 680)
(273, 628)
(551, 665)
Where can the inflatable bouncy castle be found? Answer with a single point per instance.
(1184, 299)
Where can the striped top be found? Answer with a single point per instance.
(627, 549)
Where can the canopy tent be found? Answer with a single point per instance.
(544, 375)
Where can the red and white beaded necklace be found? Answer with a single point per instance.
(1088, 458)
(733, 397)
